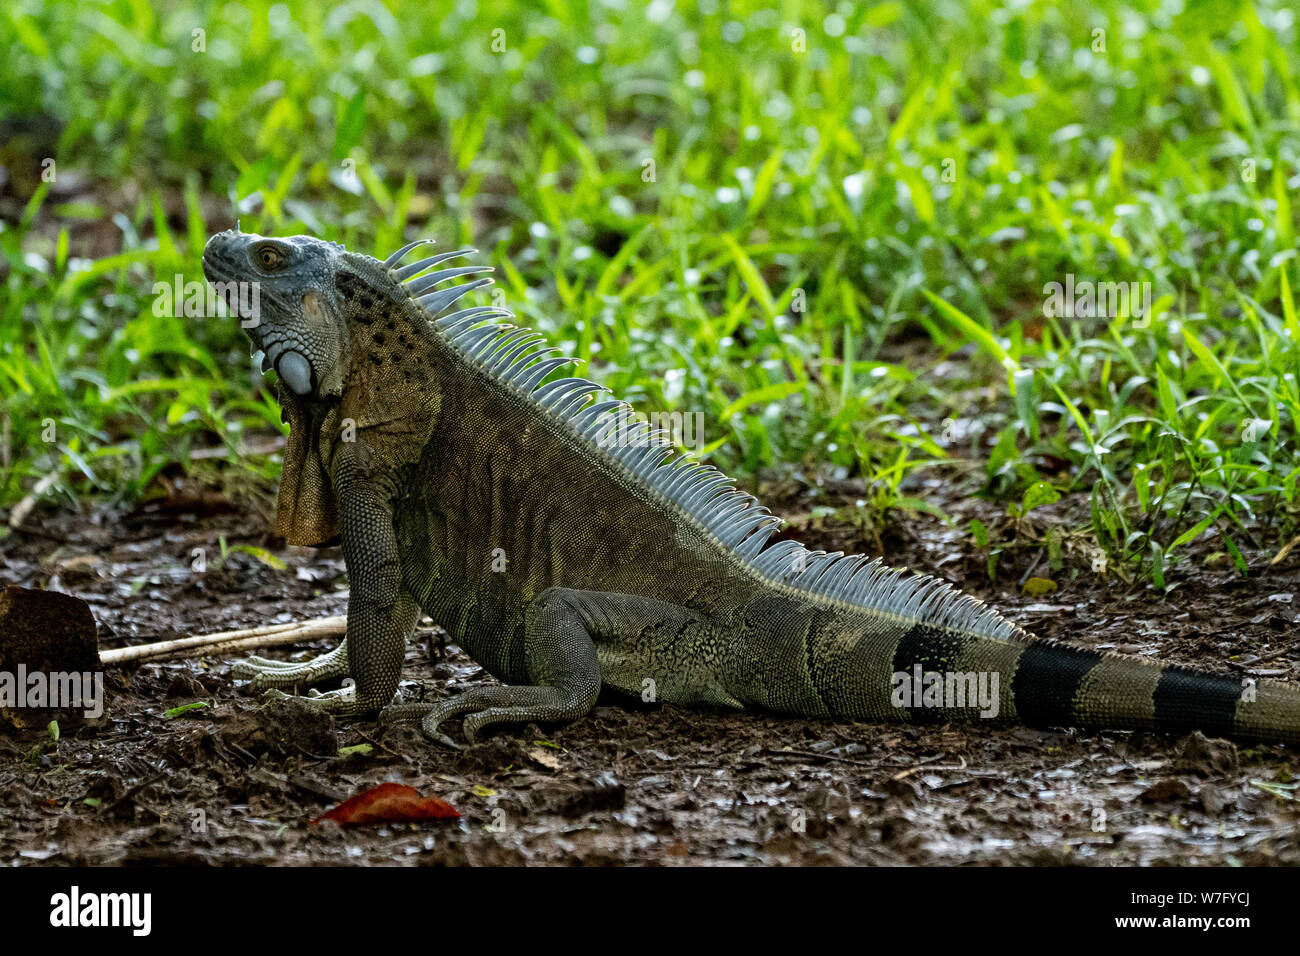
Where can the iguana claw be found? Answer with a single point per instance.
(427, 714)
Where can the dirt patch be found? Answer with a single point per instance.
(232, 781)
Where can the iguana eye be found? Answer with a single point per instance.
(268, 257)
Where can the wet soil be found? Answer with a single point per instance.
(234, 782)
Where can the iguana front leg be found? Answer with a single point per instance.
(381, 611)
(561, 629)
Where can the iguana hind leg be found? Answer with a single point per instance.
(561, 630)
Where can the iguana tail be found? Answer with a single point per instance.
(940, 674)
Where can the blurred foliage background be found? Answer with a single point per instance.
(827, 226)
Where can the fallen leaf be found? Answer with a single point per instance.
(388, 803)
(185, 708)
(545, 758)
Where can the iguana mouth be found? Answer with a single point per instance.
(290, 363)
(296, 372)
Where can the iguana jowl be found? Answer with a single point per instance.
(625, 562)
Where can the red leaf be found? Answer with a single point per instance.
(388, 802)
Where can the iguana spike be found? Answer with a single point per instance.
(436, 302)
(772, 560)
(662, 478)
(684, 477)
(472, 340)
(425, 283)
(636, 454)
(511, 352)
(731, 528)
(488, 352)
(551, 389)
(702, 491)
(730, 507)
(654, 456)
(523, 365)
(575, 398)
(832, 582)
(396, 257)
(456, 322)
(415, 268)
(864, 579)
(922, 587)
(763, 531)
(584, 419)
(738, 528)
(535, 373)
(600, 432)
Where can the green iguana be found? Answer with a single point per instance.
(435, 443)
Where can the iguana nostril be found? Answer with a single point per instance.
(295, 371)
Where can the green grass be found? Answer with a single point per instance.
(661, 189)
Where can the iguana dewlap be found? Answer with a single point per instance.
(467, 480)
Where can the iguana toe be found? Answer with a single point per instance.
(398, 713)
(246, 670)
(432, 715)
(431, 731)
(253, 665)
(441, 712)
(264, 672)
(484, 718)
(340, 703)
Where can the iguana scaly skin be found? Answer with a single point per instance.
(468, 481)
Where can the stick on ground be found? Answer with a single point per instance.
(225, 641)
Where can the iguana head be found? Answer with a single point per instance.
(317, 304)
(298, 325)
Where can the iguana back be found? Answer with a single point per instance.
(565, 545)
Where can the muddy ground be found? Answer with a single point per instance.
(233, 783)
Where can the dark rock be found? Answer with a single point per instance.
(1206, 756)
(1168, 790)
(47, 645)
(287, 726)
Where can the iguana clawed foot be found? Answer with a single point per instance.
(428, 716)
(483, 707)
(264, 672)
(270, 675)
(341, 703)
